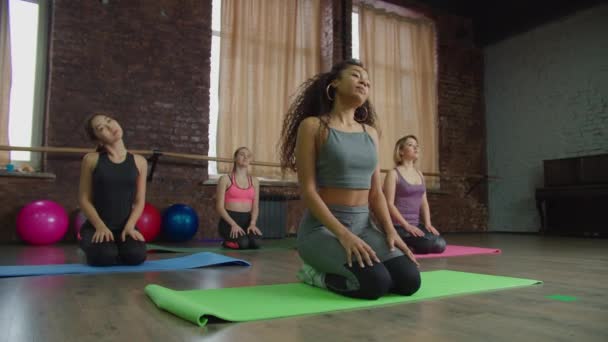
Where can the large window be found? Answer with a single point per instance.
(261, 52)
(28, 30)
(398, 48)
(215, 83)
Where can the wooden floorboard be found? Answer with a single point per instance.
(113, 307)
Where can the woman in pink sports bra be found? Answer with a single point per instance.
(237, 204)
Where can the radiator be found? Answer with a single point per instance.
(272, 219)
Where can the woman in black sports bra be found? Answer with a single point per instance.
(112, 196)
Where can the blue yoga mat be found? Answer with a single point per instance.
(196, 260)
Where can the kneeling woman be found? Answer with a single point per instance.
(329, 137)
(238, 204)
(405, 192)
(112, 196)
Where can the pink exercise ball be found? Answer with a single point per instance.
(42, 222)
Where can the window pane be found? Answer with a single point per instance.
(214, 102)
(215, 85)
(24, 38)
(216, 15)
(355, 35)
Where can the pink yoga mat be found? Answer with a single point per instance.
(453, 250)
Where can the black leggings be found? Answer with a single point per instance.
(397, 275)
(247, 241)
(129, 252)
(426, 244)
(319, 248)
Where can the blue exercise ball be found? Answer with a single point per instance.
(180, 223)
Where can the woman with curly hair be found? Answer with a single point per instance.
(330, 138)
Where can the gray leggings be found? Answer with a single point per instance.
(320, 248)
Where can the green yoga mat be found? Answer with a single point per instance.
(284, 300)
(175, 249)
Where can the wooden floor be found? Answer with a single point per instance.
(114, 308)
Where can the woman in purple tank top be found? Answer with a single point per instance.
(405, 193)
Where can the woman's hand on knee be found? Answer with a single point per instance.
(102, 235)
(394, 240)
(432, 229)
(363, 253)
(415, 231)
(236, 231)
(133, 233)
(254, 230)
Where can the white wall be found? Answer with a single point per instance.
(546, 94)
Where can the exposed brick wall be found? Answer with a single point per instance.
(327, 32)
(462, 136)
(18, 191)
(147, 63)
(342, 29)
(336, 35)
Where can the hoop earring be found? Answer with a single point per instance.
(364, 119)
(327, 92)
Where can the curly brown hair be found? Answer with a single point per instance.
(314, 98)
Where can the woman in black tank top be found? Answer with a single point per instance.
(112, 196)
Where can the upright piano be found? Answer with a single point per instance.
(574, 199)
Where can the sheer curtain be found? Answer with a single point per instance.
(268, 48)
(400, 53)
